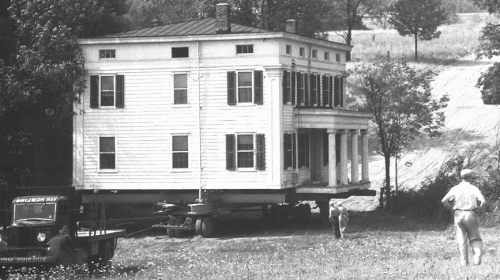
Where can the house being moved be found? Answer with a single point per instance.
(220, 113)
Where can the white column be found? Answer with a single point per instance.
(332, 159)
(364, 156)
(354, 157)
(343, 157)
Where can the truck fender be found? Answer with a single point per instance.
(57, 243)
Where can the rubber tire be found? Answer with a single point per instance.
(170, 231)
(177, 232)
(198, 226)
(67, 256)
(207, 227)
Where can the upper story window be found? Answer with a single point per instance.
(244, 49)
(288, 49)
(107, 91)
(302, 52)
(180, 52)
(244, 87)
(107, 153)
(103, 54)
(337, 57)
(180, 151)
(180, 89)
(327, 56)
(314, 54)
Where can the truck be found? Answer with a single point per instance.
(45, 230)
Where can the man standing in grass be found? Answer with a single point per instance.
(466, 201)
(334, 219)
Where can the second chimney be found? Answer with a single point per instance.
(291, 26)
(222, 22)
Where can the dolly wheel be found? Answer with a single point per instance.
(198, 226)
(207, 227)
(178, 232)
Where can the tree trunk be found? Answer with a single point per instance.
(387, 181)
(396, 174)
(416, 40)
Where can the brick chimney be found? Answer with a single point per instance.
(222, 22)
(291, 26)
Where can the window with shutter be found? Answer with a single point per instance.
(336, 91)
(258, 88)
(341, 94)
(120, 91)
(231, 88)
(245, 87)
(306, 90)
(94, 91)
(330, 91)
(244, 151)
(107, 91)
(300, 89)
(293, 88)
(314, 92)
(325, 91)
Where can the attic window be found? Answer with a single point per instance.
(244, 49)
(107, 54)
(180, 52)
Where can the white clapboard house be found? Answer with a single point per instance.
(214, 106)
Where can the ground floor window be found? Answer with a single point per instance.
(180, 151)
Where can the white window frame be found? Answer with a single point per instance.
(114, 91)
(245, 49)
(174, 152)
(251, 102)
(111, 52)
(106, 170)
(187, 89)
(254, 152)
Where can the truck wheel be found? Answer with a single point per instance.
(177, 232)
(170, 231)
(198, 226)
(207, 227)
(67, 256)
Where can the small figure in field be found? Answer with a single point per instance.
(343, 218)
(334, 219)
(466, 201)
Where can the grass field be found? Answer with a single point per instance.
(376, 246)
(456, 40)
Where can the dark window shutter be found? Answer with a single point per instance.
(313, 89)
(341, 90)
(94, 91)
(261, 152)
(336, 92)
(318, 90)
(293, 88)
(300, 92)
(337, 147)
(287, 145)
(120, 91)
(307, 90)
(330, 91)
(230, 152)
(325, 90)
(258, 97)
(325, 148)
(231, 88)
(306, 139)
(294, 149)
(285, 87)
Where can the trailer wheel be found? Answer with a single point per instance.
(207, 227)
(170, 231)
(178, 232)
(198, 226)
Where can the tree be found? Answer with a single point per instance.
(489, 47)
(40, 83)
(399, 98)
(418, 18)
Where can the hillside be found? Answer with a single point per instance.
(468, 121)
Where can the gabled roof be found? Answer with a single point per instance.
(194, 27)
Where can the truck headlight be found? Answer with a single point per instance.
(41, 237)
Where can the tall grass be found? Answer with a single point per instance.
(456, 41)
